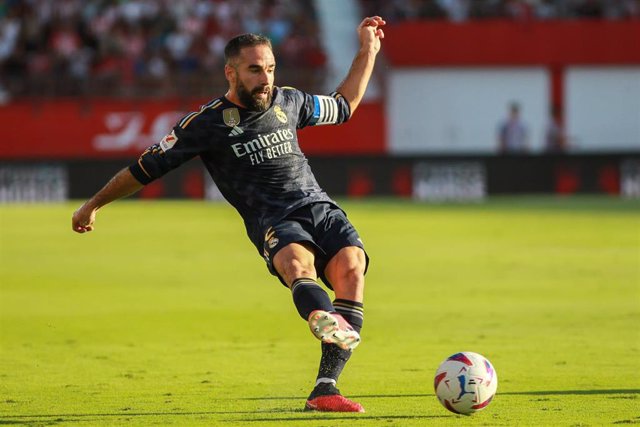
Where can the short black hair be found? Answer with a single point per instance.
(232, 49)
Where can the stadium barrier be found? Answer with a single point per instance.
(433, 178)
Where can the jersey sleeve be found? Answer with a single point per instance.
(316, 110)
(176, 148)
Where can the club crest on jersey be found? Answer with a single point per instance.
(168, 141)
(231, 117)
(280, 115)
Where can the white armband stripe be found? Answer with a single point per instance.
(327, 111)
(333, 107)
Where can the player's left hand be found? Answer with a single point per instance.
(370, 33)
(83, 219)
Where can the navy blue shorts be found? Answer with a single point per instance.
(323, 226)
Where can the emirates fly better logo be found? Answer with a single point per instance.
(265, 147)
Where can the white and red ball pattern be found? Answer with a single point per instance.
(465, 383)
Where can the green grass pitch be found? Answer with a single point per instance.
(166, 315)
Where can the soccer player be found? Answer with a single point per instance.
(247, 140)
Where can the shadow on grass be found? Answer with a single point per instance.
(509, 393)
(88, 417)
(336, 417)
(66, 418)
(296, 415)
(570, 392)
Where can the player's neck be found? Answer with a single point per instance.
(233, 98)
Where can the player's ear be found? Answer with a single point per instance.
(230, 73)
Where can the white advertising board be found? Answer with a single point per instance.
(603, 109)
(456, 110)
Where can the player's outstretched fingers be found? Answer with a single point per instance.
(375, 21)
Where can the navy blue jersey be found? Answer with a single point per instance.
(253, 157)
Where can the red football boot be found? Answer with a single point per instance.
(325, 397)
(333, 403)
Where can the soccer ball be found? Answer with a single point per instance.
(465, 383)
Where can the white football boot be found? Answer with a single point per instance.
(332, 328)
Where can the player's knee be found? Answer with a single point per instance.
(297, 268)
(350, 265)
(294, 262)
(353, 274)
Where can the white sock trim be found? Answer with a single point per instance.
(325, 381)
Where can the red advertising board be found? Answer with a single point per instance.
(508, 42)
(116, 129)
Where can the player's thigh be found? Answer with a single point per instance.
(344, 256)
(294, 261)
(345, 271)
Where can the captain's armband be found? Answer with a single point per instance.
(327, 110)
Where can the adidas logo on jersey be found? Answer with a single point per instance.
(236, 131)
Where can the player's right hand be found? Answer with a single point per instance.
(370, 32)
(83, 219)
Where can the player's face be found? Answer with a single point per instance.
(252, 77)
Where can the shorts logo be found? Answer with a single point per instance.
(280, 115)
(231, 117)
(168, 141)
(270, 238)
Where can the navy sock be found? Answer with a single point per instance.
(352, 311)
(332, 363)
(334, 358)
(308, 296)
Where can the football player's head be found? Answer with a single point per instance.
(249, 69)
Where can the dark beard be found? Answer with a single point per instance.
(252, 103)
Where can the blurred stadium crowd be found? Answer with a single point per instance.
(144, 48)
(462, 10)
(163, 48)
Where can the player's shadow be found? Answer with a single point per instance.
(319, 416)
(357, 396)
(571, 392)
(98, 417)
(508, 393)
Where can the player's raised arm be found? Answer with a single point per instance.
(121, 185)
(354, 85)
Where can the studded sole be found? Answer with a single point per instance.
(326, 328)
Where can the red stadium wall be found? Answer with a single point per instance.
(115, 129)
(513, 43)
